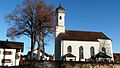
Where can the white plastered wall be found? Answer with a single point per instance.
(12, 57)
(75, 48)
(108, 46)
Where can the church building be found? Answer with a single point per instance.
(80, 45)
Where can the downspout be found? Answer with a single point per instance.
(62, 46)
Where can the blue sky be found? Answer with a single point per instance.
(84, 15)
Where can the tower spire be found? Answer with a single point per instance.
(59, 2)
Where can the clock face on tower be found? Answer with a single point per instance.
(60, 23)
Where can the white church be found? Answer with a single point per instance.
(80, 45)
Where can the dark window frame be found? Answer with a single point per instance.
(104, 50)
(69, 49)
(81, 52)
(92, 51)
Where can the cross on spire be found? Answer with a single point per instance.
(59, 1)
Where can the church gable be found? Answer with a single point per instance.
(83, 35)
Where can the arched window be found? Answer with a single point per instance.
(60, 17)
(104, 50)
(81, 56)
(69, 49)
(92, 52)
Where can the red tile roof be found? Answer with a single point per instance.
(70, 55)
(82, 35)
(116, 56)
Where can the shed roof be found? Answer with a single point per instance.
(70, 55)
(102, 55)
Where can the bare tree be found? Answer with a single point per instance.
(31, 18)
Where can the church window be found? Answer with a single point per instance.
(81, 52)
(104, 50)
(92, 52)
(60, 17)
(69, 49)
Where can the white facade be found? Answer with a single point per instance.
(75, 48)
(61, 46)
(10, 59)
(75, 45)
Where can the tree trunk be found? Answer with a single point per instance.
(33, 41)
(32, 48)
(38, 51)
(43, 49)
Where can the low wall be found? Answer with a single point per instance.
(65, 64)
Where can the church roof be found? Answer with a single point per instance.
(82, 35)
(60, 8)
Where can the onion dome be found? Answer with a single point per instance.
(60, 9)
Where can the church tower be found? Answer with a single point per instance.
(60, 28)
(60, 16)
